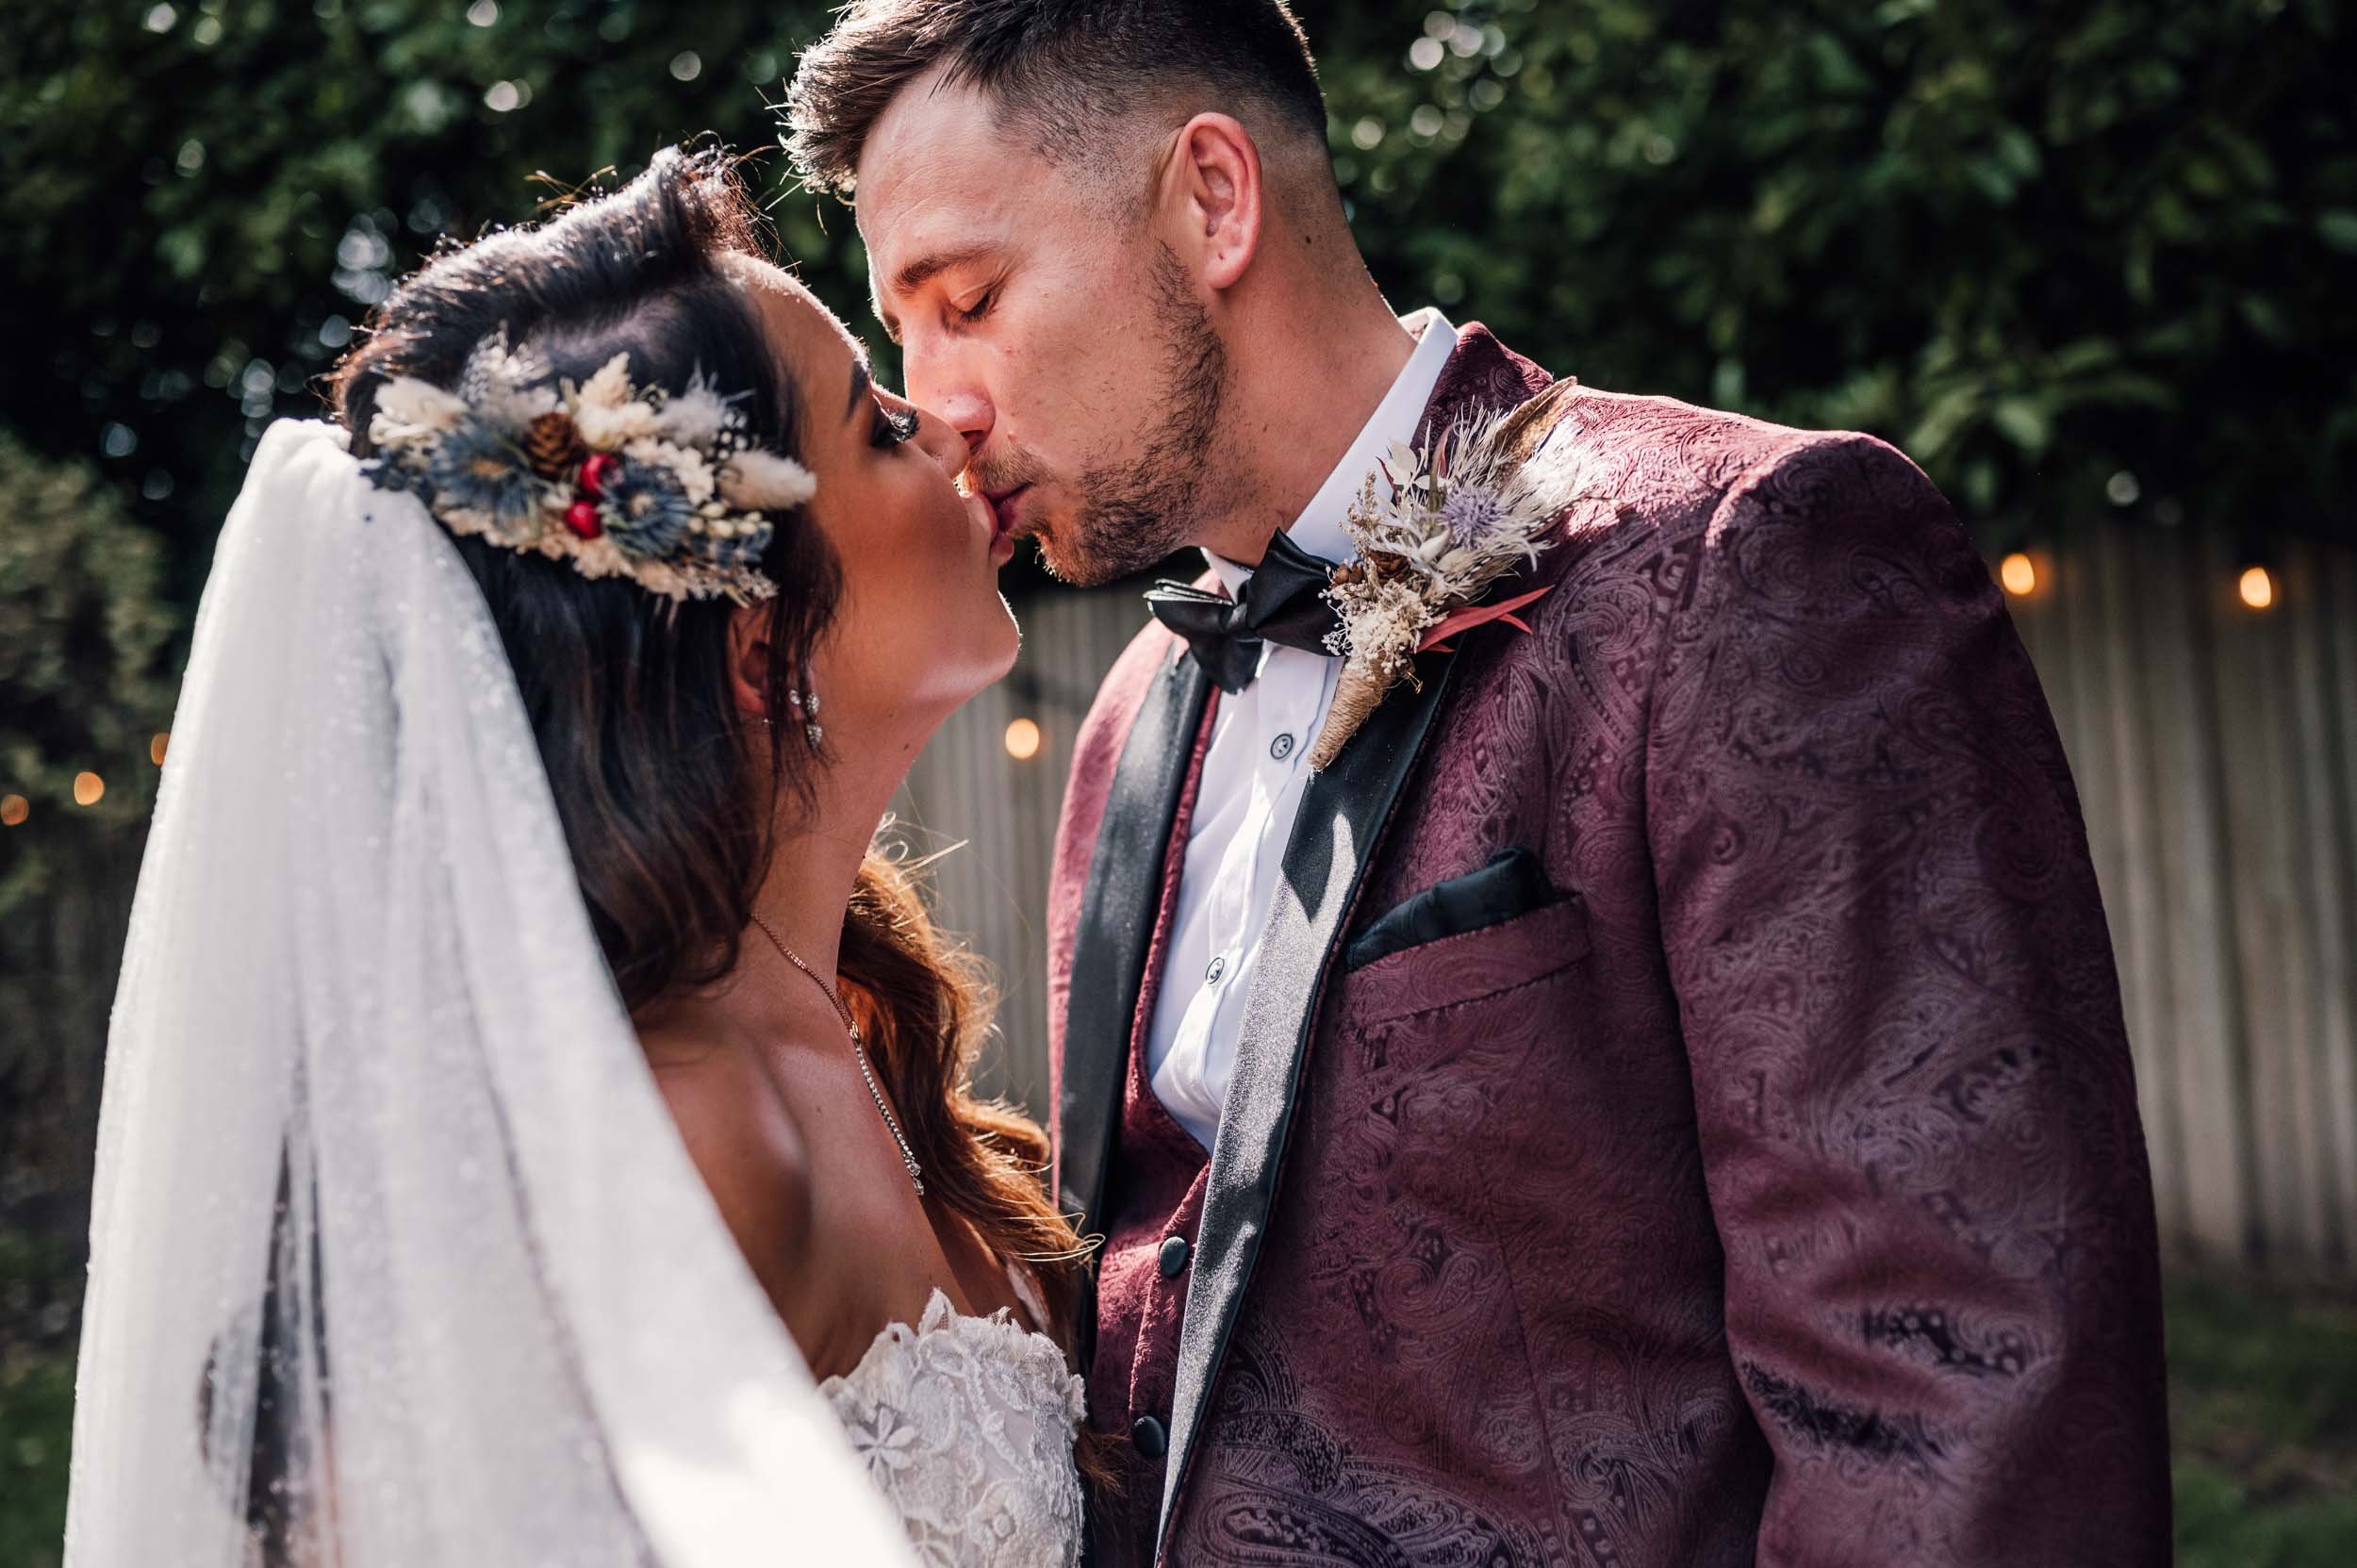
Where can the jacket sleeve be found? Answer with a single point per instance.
(1916, 1104)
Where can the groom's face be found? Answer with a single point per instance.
(1041, 315)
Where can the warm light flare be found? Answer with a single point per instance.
(1022, 740)
(87, 787)
(13, 809)
(2257, 589)
(2019, 575)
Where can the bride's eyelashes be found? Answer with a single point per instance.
(893, 427)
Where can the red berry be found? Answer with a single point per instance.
(595, 470)
(581, 517)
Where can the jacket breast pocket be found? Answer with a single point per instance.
(1468, 966)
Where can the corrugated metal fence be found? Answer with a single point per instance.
(2216, 751)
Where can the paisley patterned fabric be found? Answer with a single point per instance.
(966, 1425)
(1777, 1193)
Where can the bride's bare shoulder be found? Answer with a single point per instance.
(746, 1145)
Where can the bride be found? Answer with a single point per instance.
(540, 718)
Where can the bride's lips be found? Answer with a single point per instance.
(1007, 526)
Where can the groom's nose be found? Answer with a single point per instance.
(935, 382)
(949, 446)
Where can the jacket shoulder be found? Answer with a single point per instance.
(1660, 466)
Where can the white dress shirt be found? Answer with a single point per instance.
(1253, 776)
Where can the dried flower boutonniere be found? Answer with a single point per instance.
(1437, 530)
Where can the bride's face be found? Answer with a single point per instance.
(920, 626)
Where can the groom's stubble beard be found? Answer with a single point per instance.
(1134, 513)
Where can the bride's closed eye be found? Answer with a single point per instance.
(894, 426)
(888, 427)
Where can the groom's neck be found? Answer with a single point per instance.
(1309, 372)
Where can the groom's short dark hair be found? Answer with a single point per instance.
(1058, 69)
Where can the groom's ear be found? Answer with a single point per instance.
(1214, 188)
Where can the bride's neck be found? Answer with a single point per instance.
(819, 848)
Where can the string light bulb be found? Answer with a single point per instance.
(2257, 587)
(2019, 573)
(1023, 739)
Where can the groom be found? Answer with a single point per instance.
(1659, 1096)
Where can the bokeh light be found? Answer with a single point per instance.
(156, 748)
(88, 789)
(1023, 739)
(2019, 575)
(2257, 589)
(13, 809)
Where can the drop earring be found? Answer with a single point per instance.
(806, 703)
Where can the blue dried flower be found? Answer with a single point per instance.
(473, 467)
(1470, 514)
(745, 550)
(647, 511)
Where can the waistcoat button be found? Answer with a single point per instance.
(1173, 1257)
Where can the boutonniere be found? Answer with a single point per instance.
(1439, 530)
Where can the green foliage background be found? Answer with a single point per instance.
(2070, 256)
(2074, 258)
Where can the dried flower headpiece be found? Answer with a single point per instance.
(1438, 529)
(667, 490)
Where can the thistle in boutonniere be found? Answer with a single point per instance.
(1438, 529)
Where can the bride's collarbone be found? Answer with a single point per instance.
(813, 1189)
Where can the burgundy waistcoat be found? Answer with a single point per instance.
(1769, 1191)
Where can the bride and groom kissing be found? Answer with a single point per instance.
(1582, 1027)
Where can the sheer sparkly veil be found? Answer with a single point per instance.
(397, 1258)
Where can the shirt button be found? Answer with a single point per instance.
(1218, 967)
(1173, 1257)
(1148, 1435)
(1281, 748)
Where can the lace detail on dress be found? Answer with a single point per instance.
(967, 1424)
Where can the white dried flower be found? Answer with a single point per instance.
(409, 411)
(688, 466)
(762, 481)
(695, 416)
(508, 389)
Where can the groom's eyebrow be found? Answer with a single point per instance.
(917, 273)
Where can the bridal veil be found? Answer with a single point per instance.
(396, 1256)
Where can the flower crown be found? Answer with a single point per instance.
(621, 480)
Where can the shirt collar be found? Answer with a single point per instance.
(1319, 528)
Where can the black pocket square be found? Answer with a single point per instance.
(1513, 882)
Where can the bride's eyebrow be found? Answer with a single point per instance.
(859, 387)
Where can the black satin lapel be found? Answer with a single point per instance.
(1118, 909)
(1342, 812)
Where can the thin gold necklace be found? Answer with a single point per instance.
(859, 1052)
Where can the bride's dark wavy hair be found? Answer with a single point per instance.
(629, 693)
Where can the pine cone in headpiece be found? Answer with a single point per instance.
(552, 446)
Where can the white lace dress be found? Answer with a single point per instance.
(966, 1424)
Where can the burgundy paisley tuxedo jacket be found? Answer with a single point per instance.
(1761, 1183)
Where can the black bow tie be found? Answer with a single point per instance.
(1283, 602)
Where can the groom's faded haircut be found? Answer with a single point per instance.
(1058, 71)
